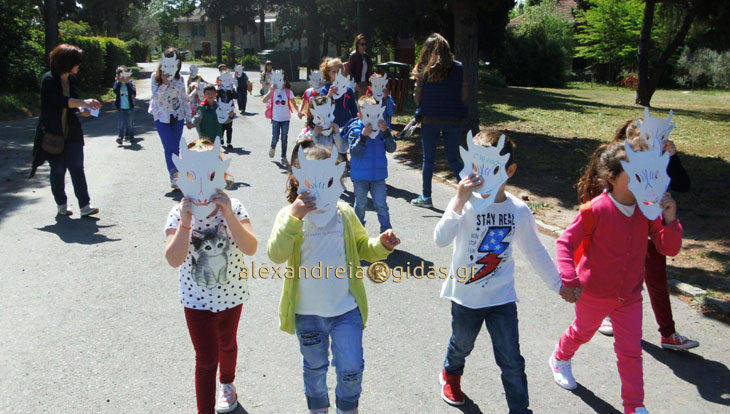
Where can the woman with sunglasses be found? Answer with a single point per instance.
(359, 65)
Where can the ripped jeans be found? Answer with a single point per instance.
(314, 333)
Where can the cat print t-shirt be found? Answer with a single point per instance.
(209, 276)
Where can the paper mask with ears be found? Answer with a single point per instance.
(201, 87)
(315, 78)
(238, 69)
(342, 83)
(169, 65)
(193, 71)
(371, 115)
(222, 111)
(652, 127)
(226, 80)
(126, 74)
(322, 179)
(486, 162)
(201, 174)
(277, 79)
(648, 179)
(323, 115)
(377, 84)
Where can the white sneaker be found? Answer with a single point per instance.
(606, 326)
(562, 373)
(271, 153)
(63, 210)
(641, 410)
(227, 399)
(88, 210)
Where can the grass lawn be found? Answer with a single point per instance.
(556, 131)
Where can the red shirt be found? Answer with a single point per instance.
(309, 93)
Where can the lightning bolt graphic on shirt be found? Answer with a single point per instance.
(493, 245)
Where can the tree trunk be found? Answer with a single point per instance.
(324, 46)
(262, 28)
(51, 26)
(466, 47)
(232, 52)
(218, 41)
(313, 38)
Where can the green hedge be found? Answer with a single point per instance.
(102, 56)
(115, 54)
(138, 51)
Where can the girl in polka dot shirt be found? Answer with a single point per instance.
(209, 252)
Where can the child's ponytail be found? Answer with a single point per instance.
(589, 185)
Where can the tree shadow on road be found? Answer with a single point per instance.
(712, 378)
(597, 404)
(79, 231)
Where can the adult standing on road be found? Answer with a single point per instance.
(439, 94)
(59, 104)
(169, 106)
(359, 65)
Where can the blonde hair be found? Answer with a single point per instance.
(366, 100)
(435, 61)
(328, 64)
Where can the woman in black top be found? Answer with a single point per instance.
(359, 65)
(59, 100)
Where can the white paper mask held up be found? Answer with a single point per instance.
(277, 79)
(315, 78)
(652, 127)
(193, 71)
(226, 80)
(342, 83)
(238, 69)
(201, 175)
(169, 65)
(648, 178)
(126, 74)
(322, 179)
(371, 115)
(486, 162)
(377, 84)
(323, 115)
(222, 111)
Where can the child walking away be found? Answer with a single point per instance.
(125, 92)
(317, 231)
(280, 101)
(370, 139)
(315, 84)
(169, 107)
(242, 88)
(608, 240)
(656, 263)
(485, 222)
(207, 241)
(379, 90)
(320, 126)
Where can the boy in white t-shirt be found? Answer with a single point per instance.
(481, 277)
(280, 108)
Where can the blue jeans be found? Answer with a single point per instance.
(170, 135)
(280, 128)
(126, 123)
(501, 322)
(378, 191)
(71, 159)
(430, 134)
(314, 333)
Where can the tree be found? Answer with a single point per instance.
(51, 25)
(466, 47)
(262, 23)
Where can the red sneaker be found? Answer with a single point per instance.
(678, 342)
(451, 388)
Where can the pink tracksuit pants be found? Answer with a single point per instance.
(626, 315)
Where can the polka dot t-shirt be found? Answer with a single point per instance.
(209, 277)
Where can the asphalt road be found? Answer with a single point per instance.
(90, 319)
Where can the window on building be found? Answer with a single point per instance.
(268, 31)
(198, 30)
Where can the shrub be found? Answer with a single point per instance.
(703, 68)
(250, 60)
(138, 51)
(91, 73)
(72, 28)
(115, 54)
(492, 77)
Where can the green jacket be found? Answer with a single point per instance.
(285, 244)
(207, 122)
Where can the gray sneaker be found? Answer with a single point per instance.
(63, 210)
(271, 153)
(88, 210)
(422, 201)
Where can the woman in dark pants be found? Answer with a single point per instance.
(59, 104)
(359, 65)
(439, 93)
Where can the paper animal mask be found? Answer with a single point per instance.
(201, 174)
(222, 111)
(193, 71)
(371, 114)
(169, 65)
(226, 80)
(323, 115)
(377, 84)
(277, 79)
(315, 78)
(201, 87)
(126, 74)
(486, 162)
(652, 127)
(322, 179)
(238, 69)
(648, 179)
(342, 83)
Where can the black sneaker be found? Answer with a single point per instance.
(119, 141)
(229, 146)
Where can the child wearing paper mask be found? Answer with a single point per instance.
(656, 263)
(368, 163)
(315, 84)
(485, 223)
(212, 305)
(383, 97)
(282, 101)
(317, 133)
(206, 118)
(345, 105)
(332, 307)
(125, 91)
(609, 275)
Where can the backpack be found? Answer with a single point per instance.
(589, 224)
(345, 129)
